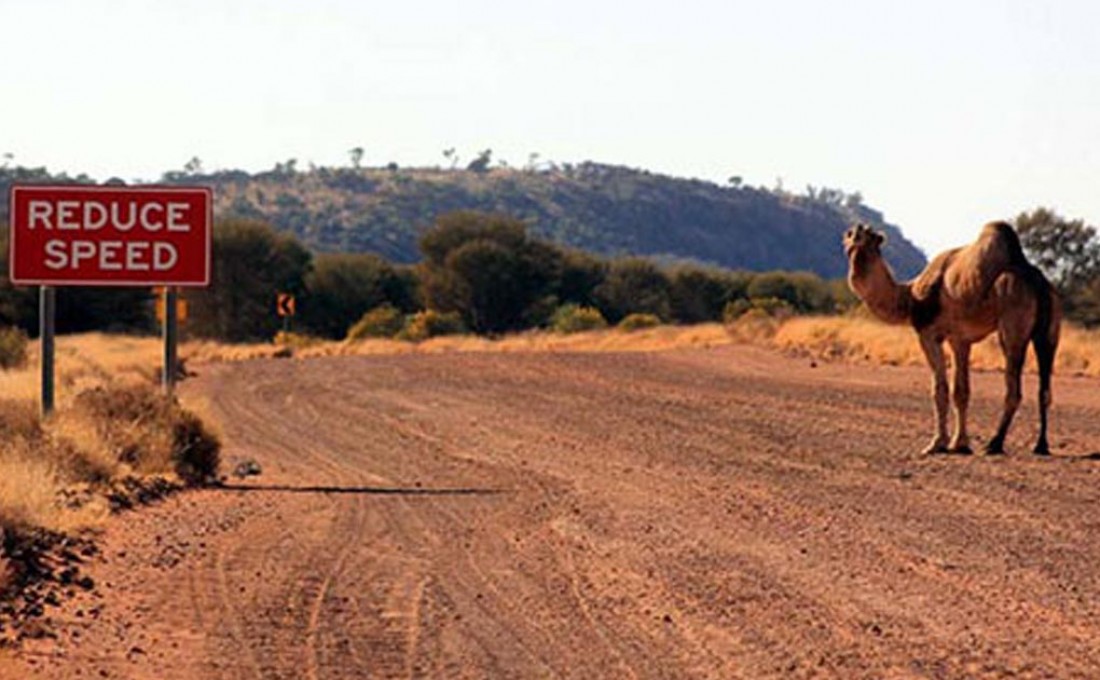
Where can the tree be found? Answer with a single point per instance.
(697, 294)
(481, 163)
(18, 305)
(581, 274)
(450, 155)
(1066, 250)
(487, 269)
(634, 286)
(252, 263)
(340, 288)
(193, 166)
(356, 156)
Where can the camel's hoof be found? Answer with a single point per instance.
(992, 450)
(934, 448)
(962, 450)
(1041, 450)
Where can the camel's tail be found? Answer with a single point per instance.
(1044, 335)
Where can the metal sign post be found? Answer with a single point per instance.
(171, 338)
(47, 307)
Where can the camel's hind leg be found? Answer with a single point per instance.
(1014, 346)
(1046, 344)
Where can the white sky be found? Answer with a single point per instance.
(944, 114)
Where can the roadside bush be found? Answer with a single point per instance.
(13, 348)
(430, 324)
(384, 321)
(573, 318)
(735, 309)
(770, 307)
(150, 432)
(634, 322)
(773, 307)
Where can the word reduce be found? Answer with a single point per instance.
(111, 255)
(108, 235)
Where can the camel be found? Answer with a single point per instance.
(961, 297)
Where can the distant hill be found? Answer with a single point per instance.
(604, 209)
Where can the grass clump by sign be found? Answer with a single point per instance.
(103, 438)
(577, 319)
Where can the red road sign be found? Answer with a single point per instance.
(110, 236)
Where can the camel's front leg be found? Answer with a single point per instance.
(933, 352)
(960, 396)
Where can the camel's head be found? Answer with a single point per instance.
(863, 241)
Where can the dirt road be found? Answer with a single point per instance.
(727, 513)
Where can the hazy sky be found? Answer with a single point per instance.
(943, 114)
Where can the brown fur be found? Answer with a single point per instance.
(962, 296)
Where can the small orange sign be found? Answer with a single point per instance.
(284, 304)
(181, 309)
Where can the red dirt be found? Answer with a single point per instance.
(723, 513)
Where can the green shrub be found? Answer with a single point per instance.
(773, 307)
(735, 309)
(576, 319)
(634, 322)
(430, 324)
(767, 306)
(384, 321)
(13, 348)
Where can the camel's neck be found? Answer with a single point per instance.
(874, 283)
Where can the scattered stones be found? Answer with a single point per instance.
(247, 468)
(43, 564)
(130, 492)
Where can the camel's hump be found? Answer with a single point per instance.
(966, 274)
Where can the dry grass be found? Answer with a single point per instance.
(612, 340)
(656, 339)
(109, 424)
(861, 339)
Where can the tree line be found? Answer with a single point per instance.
(486, 274)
